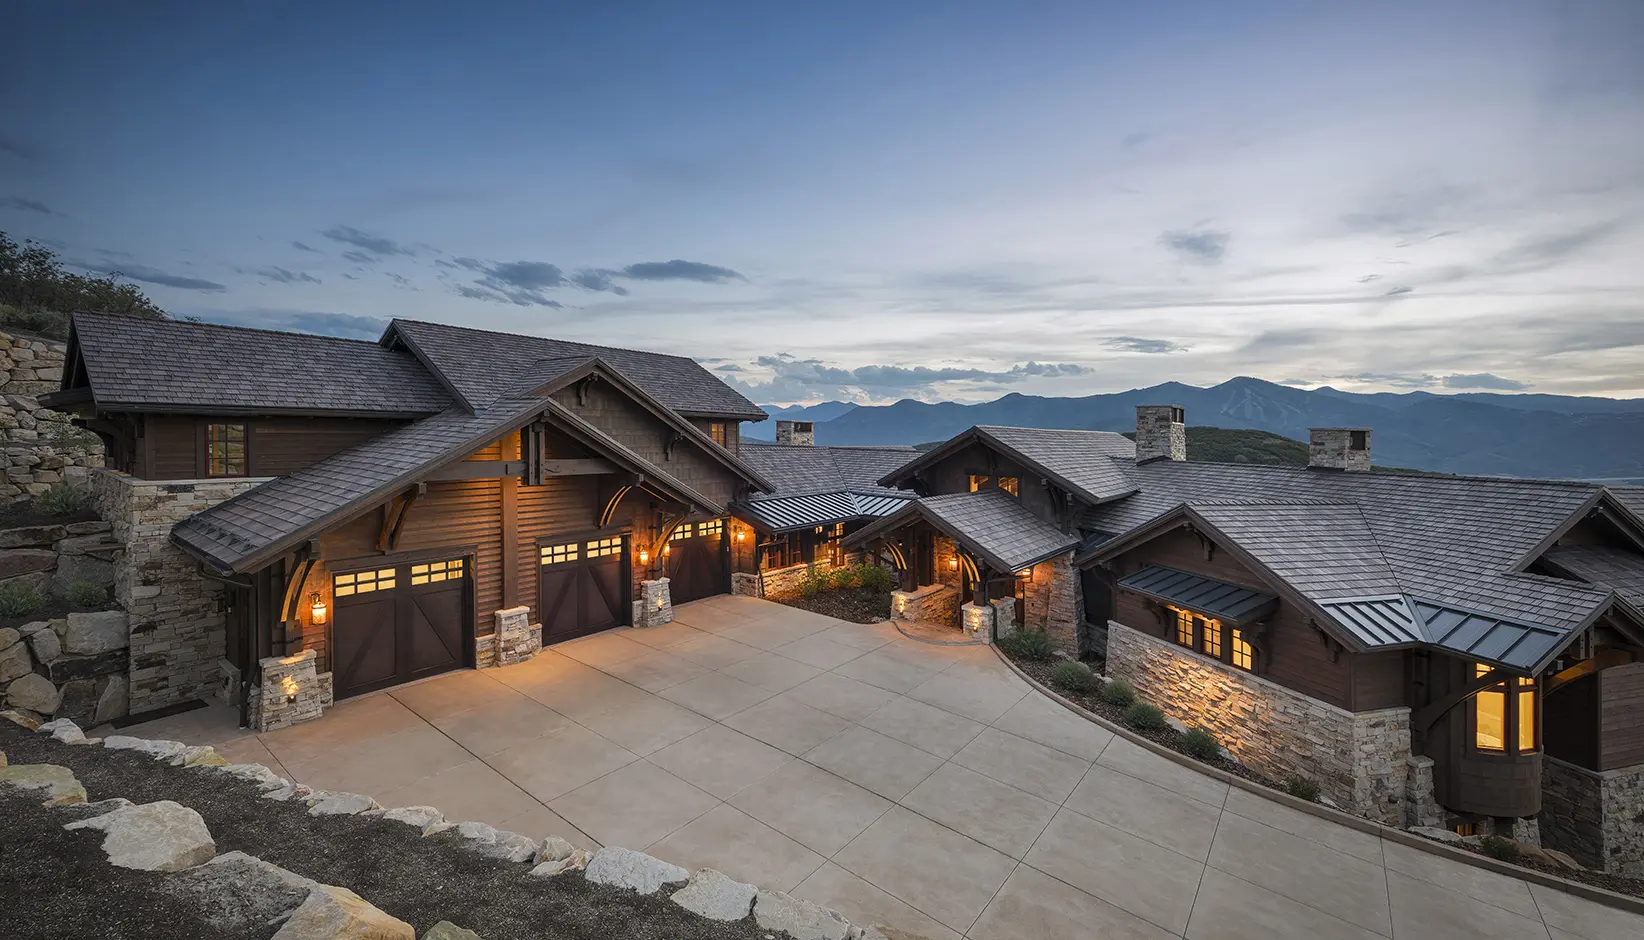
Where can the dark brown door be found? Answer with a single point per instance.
(398, 623)
(697, 561)
(581, 588)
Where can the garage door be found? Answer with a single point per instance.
(399, 623)
(581, 587)
(697, 561)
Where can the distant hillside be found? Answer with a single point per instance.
(1241, 445)
(1481, 433)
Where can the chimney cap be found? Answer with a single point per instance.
(1343, 427)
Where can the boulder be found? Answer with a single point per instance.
(625, 868)
(30, 629)
(64, 730)
(112, 699)
(33, 536)
(291, 791)
(715, 896)
(1438, 835)
(161, 836)
(239, 895)
(35, 693)
(339, 804)
(264, 778)
(159, 750)
(554, 849)
(45, 644)
(775, 910)
(15, 661)
(89, 527)
(420, 816)
(1563, 859)
(99, 631)
(21, 718)
(15, 562)
(333, 913)
(79, 700)
(497, 843)
(576, 861)
(9, 636)
(445, 930)
(89, 569)
(68, 668)
(62, 789)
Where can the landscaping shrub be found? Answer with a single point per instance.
(83, 595)
(61, 499)
(813, 583)
(1145, 716)
(1201, 744)
(1502, 850)
(1118, 692)
(1033, 645)
(1302, 788)
(1074, 677)
(876, 579)
(20, 600)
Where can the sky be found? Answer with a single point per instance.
(874, 201)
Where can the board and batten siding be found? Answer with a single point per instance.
(1621, 716)
(640, 431)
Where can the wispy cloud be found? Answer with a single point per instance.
(677, 270)
(526, 283)
(1138, 344)
(358, 257)
(25, 205)
(302, 321)
(1206, 246)
(793, 379)
(282, 276)
(1485, 380)
(148, 275)
(302, 247)
(365, 241)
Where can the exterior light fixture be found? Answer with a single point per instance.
(741, 535)
(316, 609)
(668, 549)
(954, 562)
(644, 557)
(288, 685)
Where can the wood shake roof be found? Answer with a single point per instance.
(1078, 461)
(990, 523)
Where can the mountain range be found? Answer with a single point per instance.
(1497, 434)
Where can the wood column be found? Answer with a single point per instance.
(510, 526)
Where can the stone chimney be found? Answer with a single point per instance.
(796, 433)
(1338, 449)
(1161, 433)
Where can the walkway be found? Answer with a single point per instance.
(919, 786)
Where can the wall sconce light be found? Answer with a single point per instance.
(667, 549)
(954, 562)
(644, 557)
(1025, 573)
(316, 609)
(741, 535)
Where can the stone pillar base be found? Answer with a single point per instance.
(932, 603)
(515, 640)
(1420, 808)
(291, 692)
(744, 585)
(1004, 617)
(656, 606)
(977, 621)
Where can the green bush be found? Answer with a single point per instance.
(1201, 744)
(1502, 850)
(876, 579)
(19, 600)
(1074, 677)
(83, 595)
(1302, 788)
(1031, 645)
(1145, 716)
(1118, 692)
(61, 499)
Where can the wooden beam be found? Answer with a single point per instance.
(479, 470)
(510, 536)
(1429, 715)
(577, 468)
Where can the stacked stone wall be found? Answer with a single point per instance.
(176, 614)
(1358, 759)
(1053, 602)
(932, 603)
(779, 581)
(41, 446)
(1595, 816)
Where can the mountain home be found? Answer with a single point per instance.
(1432, 649)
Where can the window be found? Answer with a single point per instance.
(225, 450)
(1184, 628)
(362, 582)
(554, 554)
(1011, 485)
(683, 532)
(780, 552)
(1243, 656)
(599, 548)
(978, 482)
(1212, 631)
(716, 430)
(1526, 716)
(1490, 711)
(436, 571)
(713, 527)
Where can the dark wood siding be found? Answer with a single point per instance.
(621, 417)
(1378, 680)
(1621, 716)
(952, 475)
(172, 447)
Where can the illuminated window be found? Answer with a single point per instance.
(599, 548)
(1490, 712)
(712, 527)
(554, 554)
(436, 571)
(978, 481)
(683, 532)
(1243, 656)
(1213, 638)
(1526, 716)
(1010, 485)
(225, 450)
(717, 431)
(1466, 829)
(362, 582)
(1184, 628)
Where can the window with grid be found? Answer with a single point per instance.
(716, 430)
(1211, 631)
(711, 527)
(600, 548)
(1184, 628)
(683, 532)
(436, 571)
(1011, 485)
(1243, 656)
(1490, 715)
(978, 482)
(225, 450)
(362, 582)
(554, 554)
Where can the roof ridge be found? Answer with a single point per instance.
(233, 327)
(1380, 475)
(549, 339)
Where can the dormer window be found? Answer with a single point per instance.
(979, 482)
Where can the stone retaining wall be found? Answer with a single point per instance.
(177, 625)
(1595, 816)
(778, 581)
(41, 446)
(1358, 759)
(933, 603)
(72, 667)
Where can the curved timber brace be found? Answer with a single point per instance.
(393, 519)
(1330, 643)
(616, 498)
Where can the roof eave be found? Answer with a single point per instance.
(392, 333)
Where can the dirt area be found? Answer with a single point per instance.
(858, 605)
(419, 880)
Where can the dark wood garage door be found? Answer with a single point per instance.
(582, 587)
(399, 623)
(697, 561)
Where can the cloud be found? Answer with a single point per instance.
(1544, 250)
(526, 283)
(1206, 246)
(1394, 292)
(148, 275)
(1485, 380)
(1139, 344)
(11, 146)
(302, 247)
(344, 325)
(677, 270)
(803, 379)
(1395, 379)
(359, 257)
(729, 367)
(375, 244)
(596, 279)
(25, 205)
(282, 276)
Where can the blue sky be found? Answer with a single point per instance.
(871, 201)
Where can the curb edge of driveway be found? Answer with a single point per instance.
(1598, 895)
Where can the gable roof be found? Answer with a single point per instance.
(1077, 461)
(989, 523)
(798, 470)
(1615, 568)
(476, 365)
(176, 365)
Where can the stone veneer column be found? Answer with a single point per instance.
(515, 640)
(291, 692)
(1358, 759)
(177, 625)
(1004, 617)
(977, 621)
(656, 606)
(744, 584)
(1594, 815)
(1421, 808)
(932, 603)
(1053, 602)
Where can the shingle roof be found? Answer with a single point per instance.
(1615, 568)
(1078, 460)
(787, 513)
(171, 364)
(989, 523)
(480, 366)
(798, 470)
(1233, 603)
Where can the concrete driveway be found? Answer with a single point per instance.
(920, 786)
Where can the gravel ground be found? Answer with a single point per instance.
(419, 880)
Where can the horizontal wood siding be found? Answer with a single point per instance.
(1621, 716)
(276, 446)
(1378, 680)
(173, 445)
(562, 509)
(625, 420)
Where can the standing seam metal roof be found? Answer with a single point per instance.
(1224, 601)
